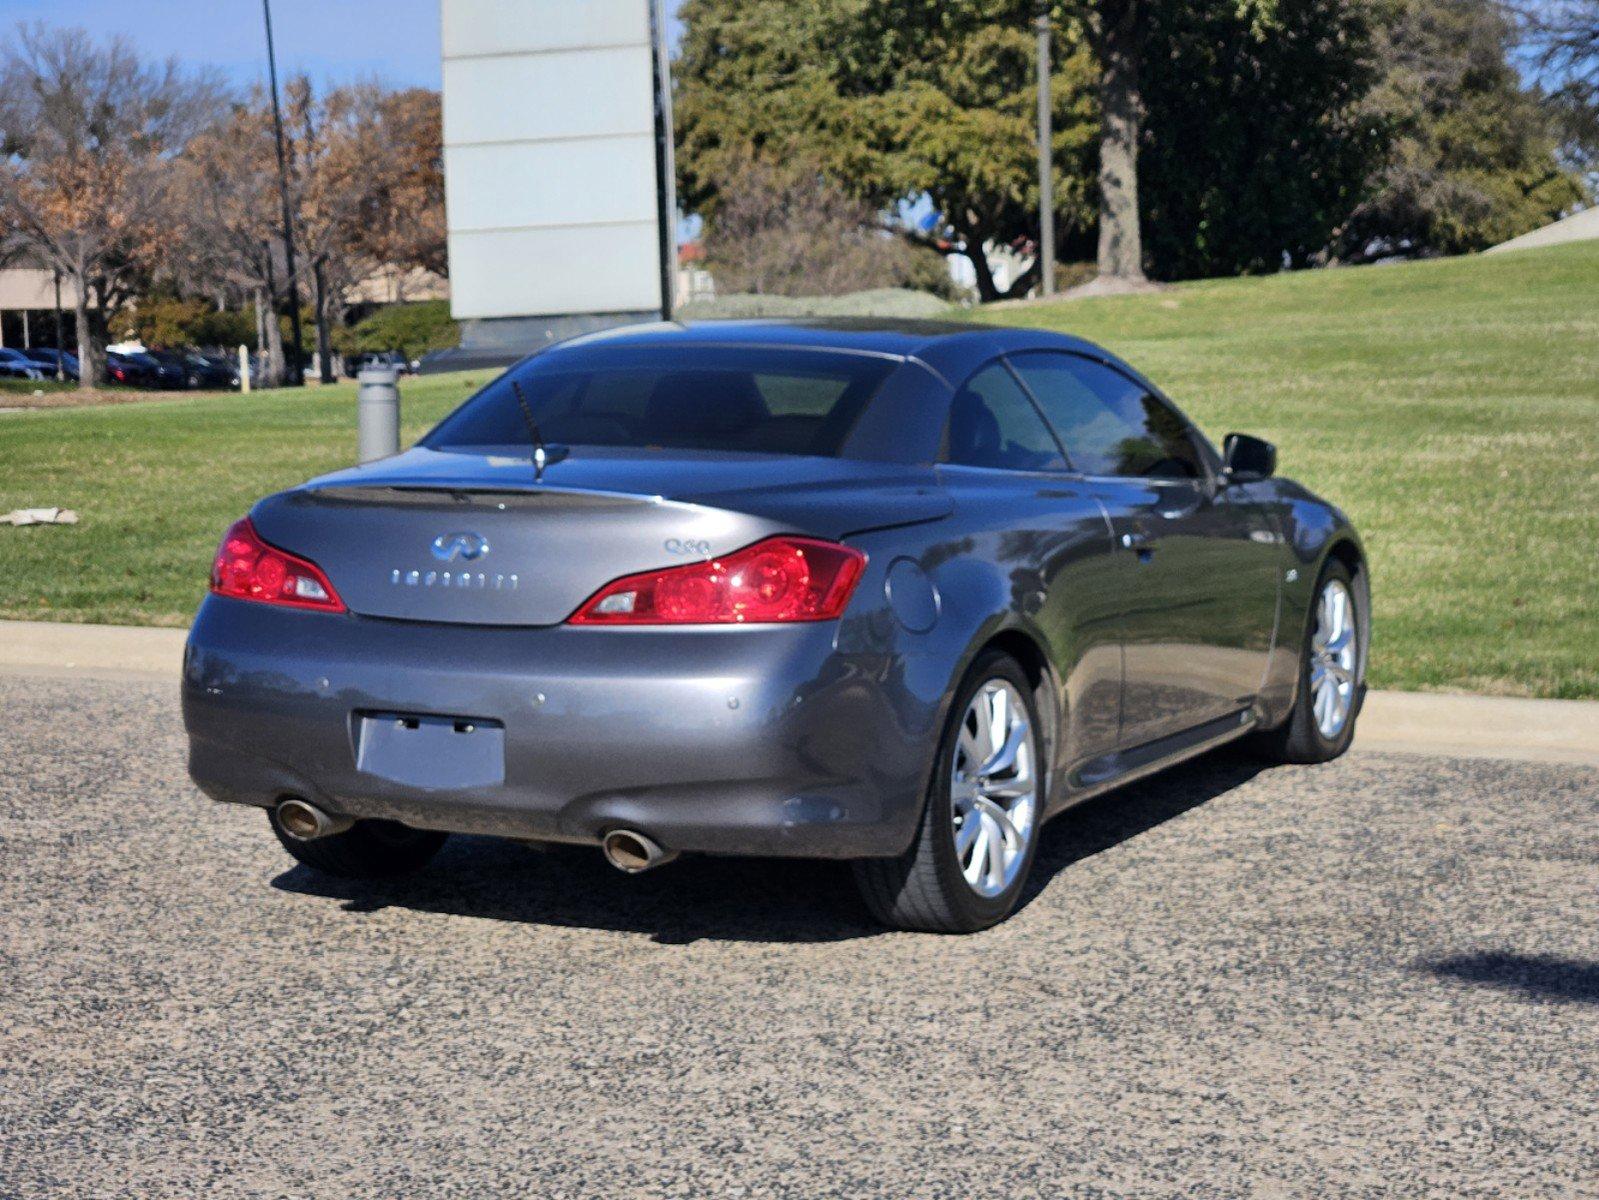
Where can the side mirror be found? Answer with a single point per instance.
(1248, 458)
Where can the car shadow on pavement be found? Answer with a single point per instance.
(732, 899)
(1542, 976)
(1109, 820)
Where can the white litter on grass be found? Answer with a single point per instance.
(40, 516)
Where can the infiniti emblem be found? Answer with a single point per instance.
(448, 547)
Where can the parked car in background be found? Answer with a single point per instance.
(172, 366)
(215, 370)
(356, 363)
(193, 369)
(49, 360)
(144, 370)
(888, 592)
(16, 365)
(132, 370)
(169, 376)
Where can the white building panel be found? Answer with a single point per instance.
(549, 157)
(528, 184)
(611, 268)
(533, 97)
(480, 27)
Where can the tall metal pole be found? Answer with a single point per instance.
(1046, 165)
(297, 367)
(665, 159)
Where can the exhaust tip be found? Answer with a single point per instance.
(305, 822)
(631, 852)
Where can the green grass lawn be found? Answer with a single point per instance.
(1451, 407)
(156, 483)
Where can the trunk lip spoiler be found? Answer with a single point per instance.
(351, 491)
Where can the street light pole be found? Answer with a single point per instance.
(297, 368)
(1046, 165)
(665, 162)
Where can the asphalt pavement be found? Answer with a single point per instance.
(1375, 978)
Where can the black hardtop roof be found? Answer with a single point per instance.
(902, 338)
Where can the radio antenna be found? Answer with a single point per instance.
(540, 457)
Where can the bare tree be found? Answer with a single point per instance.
(1565, 36)
(230, 226)
(371, 168)
(328, 153)
(365, 187)
(791, 232)
(88, 134)
(402, 218)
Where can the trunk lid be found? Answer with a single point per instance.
(472, 539)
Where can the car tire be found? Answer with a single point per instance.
(366, 850)
(1307, 736)
(928, 888)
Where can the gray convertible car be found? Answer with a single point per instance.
(895, 593)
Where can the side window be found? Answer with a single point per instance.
(1109, 424)
(992, 423)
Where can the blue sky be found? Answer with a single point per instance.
(396, 41)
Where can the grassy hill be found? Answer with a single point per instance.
(1451, 407)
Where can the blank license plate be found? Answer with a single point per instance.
(432, 752)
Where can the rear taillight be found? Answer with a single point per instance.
(246, 568)
(778, 580)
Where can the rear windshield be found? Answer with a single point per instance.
(747, 399)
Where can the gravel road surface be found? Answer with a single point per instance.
(1377, 978)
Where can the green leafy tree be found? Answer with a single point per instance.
(891, 100)
(414, 329)
(954, 110)
(1472, 157)
(165, 321)
(1119, 34)
(899, 98)
(977, 53)
(1193, 137)
(1257, 144)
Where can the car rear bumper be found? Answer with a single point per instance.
(760, 740)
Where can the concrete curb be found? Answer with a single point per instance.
(1504, 727)
(96, 650)
(1455, 726)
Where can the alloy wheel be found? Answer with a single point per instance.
(1333, 654)
(993, 789)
